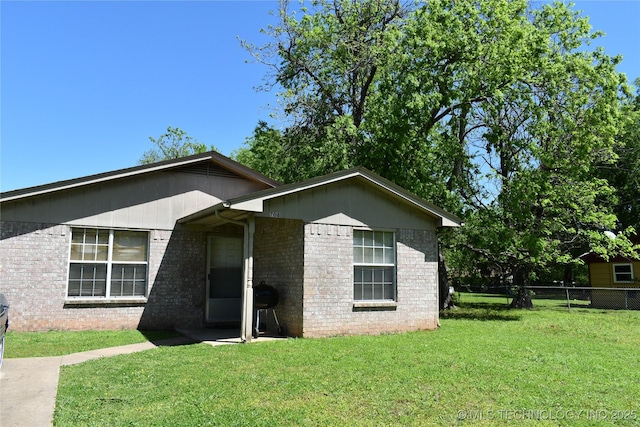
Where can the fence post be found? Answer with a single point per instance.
(626, 299)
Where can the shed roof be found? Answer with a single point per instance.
(211, 156)
(592, 257)
(254, 202)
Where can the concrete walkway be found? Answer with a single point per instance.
(28, 386)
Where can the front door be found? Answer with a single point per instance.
(224, 279)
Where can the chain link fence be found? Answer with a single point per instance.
(619, 298)
(592, 297)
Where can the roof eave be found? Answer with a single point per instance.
(446, 219)
(202, 213)
(254, 202)
(137, 170)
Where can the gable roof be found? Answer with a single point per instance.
(254, 202)
(223, 164)
(592, 257)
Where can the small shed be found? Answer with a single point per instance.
(620, 275)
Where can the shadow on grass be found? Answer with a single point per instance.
(168, 338)
(482, 312)
(500, 296)
(483, 307)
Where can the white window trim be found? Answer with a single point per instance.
(615, 274)
(107, 298)
(372, 303)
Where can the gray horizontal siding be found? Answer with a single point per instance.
(348, 203)
(153, 201)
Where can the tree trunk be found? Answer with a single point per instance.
(567, 278)
(445, 296)
(522, 296)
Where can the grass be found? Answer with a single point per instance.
(58, 343)
(486, 365)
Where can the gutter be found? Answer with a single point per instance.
(249, 227)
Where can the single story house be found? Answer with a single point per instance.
(618, 274)
(181, 244)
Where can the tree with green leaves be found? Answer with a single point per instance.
(624, 175)
(493, 109)
(538, 202)
(173, 144)
(327, 63)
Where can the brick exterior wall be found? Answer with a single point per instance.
(33, 276)
(177, 270)
(279, 262)
(33, 273)
(328, 287)
(328, 275)
(417, 276)
(311, 265)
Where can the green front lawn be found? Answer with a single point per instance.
(58, 343)
(486, 365)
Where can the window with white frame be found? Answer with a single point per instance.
(622, 273)
(108, 263)
(374, 265)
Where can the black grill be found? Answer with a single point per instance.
(265, 296)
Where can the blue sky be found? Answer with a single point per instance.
(85, 84)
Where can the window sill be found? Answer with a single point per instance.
(114, 302)
(374, 305)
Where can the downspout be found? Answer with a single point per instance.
(438, 325)
(249, 226)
